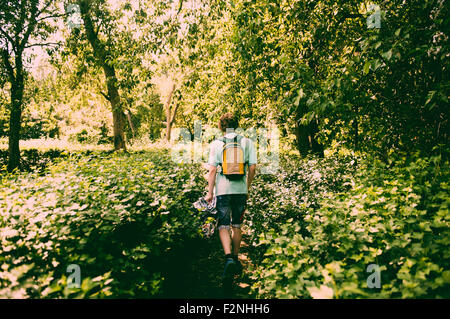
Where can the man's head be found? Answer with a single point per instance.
(228, 121)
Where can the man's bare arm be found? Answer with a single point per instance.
(251, 175)
(211, 182)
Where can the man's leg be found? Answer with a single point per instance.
(237, 237)
(238, 208)
(223, 214)
(225, 239)
(230, 263)
(223, 211)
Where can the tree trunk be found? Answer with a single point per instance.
(118, 115)
(355, 126)
(307, 140)
(316, 147)
(130, 122)
(15, 119)
(355, 134)
(168, 130)
(169, 117)
(14, 132)
(101, 56)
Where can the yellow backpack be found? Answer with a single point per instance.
(233, 162)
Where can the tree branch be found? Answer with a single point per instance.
(43, 44)
(8, 37)
(9, 68)
(106, 96)
(174, 113)
(45, 7)
(97, 45)
(30, 27)
(53, 16)
(180, 7)
(130, 122)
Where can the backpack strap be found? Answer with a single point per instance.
(238, 139)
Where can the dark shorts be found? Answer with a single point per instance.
(230, 210)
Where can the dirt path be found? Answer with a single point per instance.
(201, 277)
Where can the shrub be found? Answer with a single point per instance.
(33, 160)
(394, 216)
(118, 216)
(295, 190)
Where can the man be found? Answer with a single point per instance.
(231, 193)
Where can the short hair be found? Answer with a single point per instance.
(228, 120)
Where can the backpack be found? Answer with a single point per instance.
(232, 158)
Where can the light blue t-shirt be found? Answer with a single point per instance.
(223, 185)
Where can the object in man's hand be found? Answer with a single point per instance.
(203, 206)
(208, 216)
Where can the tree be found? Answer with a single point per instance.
(168, 78)
(170, 114)
(323, 69)
(20, 23)
(123, 39)
(104, 58)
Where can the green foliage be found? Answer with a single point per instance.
(315, 226)
(69, 106)
(313, 68)
(298, 188)
(118, 216)
(318, 71)
(32, 160)
(393, 216)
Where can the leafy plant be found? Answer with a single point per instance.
(393, 216)
(117, 216)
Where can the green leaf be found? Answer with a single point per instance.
(366, 68)
(387, 55)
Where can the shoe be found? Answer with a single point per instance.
(229, 269)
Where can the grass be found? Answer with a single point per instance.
(45, 144)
